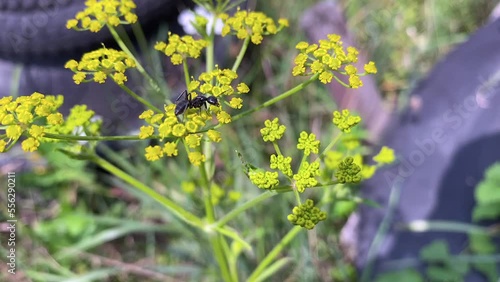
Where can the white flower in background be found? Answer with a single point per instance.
(78, 130)
(187, 19)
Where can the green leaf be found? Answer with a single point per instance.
(407, 275)
(487, 269)
(486, 211)
(488, 190)
(481, 244)
(437, 251)
(437, 273)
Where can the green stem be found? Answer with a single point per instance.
(207, 196)
(139, 98)
(249, 204)
(187, 79)
(274, 253)
(240, 56)
(216, 240)
(275, 99)
(327, 148)
(125, 49)
(94, 138)
(210, 53)
(167, 203)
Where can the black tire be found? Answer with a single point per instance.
(34, 31)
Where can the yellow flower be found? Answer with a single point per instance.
(30, 144)
(243, 88)
(153, 153)
(251, 24)
(170, 149)
(215, 136)
(178, 48)
(223, 117)
(99, 13)
(146, 131)
(370, 68)
(14, 132)
(36, 131)
(3, 144)
(119, 78)
(179, 130)
(99, 77)
(164, 130)
(385, 156)
(101, 63)
(196, 158)
(236, 103)
(355, 81)
(55, 119)
(79, 77)
(193, 140)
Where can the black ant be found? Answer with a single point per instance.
(197, 102)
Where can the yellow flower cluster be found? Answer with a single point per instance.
(80, 121)
(216, 83)
(180, 48)
(18, 118)
(329, 57)
(101, 64)
(251, 24)
(99, 13)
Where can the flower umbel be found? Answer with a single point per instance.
(180, 48)
(308, 143)
(99, 13)
(264, 179)
(273, 130)
(306, 176)
(18, 118)
(327, 58)
(345, 121)
(251, 24)
(385, 156)
(306, 215)
(101, 64)
(348, 171)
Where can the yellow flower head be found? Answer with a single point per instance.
(327, 59)
(101, 64)
(253, 25)
(99, 13)
(180, 48)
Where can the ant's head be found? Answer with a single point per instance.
(212, 100)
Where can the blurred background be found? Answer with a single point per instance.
(75, 221)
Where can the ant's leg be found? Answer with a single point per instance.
(183, 93)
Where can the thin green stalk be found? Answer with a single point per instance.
(275, 99)
(141, 38)
(210, 53)
(187, 79)
(241, 208)
(215, 239)
(167, 203)
(125, 49)
(139, 98)
(327, 148)
(381, 232)
(94, 138)
(207, 195)
(274, 253)
(240, 56)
